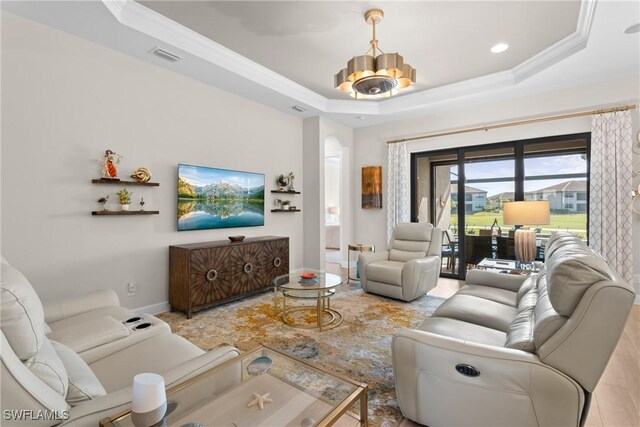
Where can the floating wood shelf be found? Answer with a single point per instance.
(125, 212)
(285, 192)
(285, 210)
(120, 182)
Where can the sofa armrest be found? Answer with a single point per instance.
(419, 276)
(63, 308)
(513, 387)
(510, 282)
(92, 411)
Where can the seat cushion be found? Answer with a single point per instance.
(386, 272)
(503, 296)
(463, 330)
(158, 354)
(21, 313)
(478, 311)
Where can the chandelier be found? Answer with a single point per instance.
(373, 75)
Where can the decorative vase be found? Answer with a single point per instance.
(124, 207)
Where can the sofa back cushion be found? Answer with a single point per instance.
(21, 313)
(571, 270)
(410, 240)
(547, 319)
(83, 383)
(47, 366)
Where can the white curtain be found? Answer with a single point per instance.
(398, 204)
(610, 232)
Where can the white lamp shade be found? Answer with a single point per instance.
(148, 393)
(530, 212)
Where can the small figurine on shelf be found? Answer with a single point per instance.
(278, 203)
(125, 199)
(111, 159)
(104, 200)
(290, 179)
(142, 203)
(282, 182)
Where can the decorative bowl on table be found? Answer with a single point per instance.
(307, 279)
(307, 276)
(236, 238)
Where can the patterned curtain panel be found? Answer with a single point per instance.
(610, 231)
(398, 188)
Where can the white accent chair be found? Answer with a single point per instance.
(82, 387)
(510, 350)
(411, 266)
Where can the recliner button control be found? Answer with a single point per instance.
(467, 370)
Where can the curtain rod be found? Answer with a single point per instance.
(517, 123)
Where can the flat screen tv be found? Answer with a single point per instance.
(219, 198)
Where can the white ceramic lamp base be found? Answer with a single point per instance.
(525, 245)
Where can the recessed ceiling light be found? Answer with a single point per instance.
(298, 108)
(360, 117)
(500, 47)
(632, 29)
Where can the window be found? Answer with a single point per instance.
(550, 168)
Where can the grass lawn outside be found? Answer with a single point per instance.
(572, 222)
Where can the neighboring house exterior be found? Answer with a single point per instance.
(475, 199)
(569, 196)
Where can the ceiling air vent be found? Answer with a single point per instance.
(168, 56)
(298, 108)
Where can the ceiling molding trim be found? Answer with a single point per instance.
(563, 49)
(142, 19)
(461, 89)
(115, 7)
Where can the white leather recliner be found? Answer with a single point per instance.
(511, 350)
(79, 368)
(411, 266)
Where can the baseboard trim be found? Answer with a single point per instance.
(153, 308)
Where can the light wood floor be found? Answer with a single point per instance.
(616, 400)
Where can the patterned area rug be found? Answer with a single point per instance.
(360, 348)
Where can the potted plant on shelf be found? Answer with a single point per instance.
(286, 205)
(125, 199)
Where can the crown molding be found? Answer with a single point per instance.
(140, 18)
(566, 47)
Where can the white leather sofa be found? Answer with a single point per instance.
(409, 268)
(43, 375)
(512, 350)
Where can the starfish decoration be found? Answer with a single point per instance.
(260, 400)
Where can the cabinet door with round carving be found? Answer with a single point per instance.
(276, 259)
(210, 276)
(246, 268)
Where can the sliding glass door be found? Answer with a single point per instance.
(462, 191)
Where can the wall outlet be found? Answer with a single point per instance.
(131, 289)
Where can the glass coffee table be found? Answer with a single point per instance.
(321, 289)
(302, 396)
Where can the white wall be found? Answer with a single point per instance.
(65, 100)
(370, 146)
(332, 182)
(317, 130)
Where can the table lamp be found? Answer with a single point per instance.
(531, 212)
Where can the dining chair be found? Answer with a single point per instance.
(477, 248)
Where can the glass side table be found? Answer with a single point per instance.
(353, 273)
